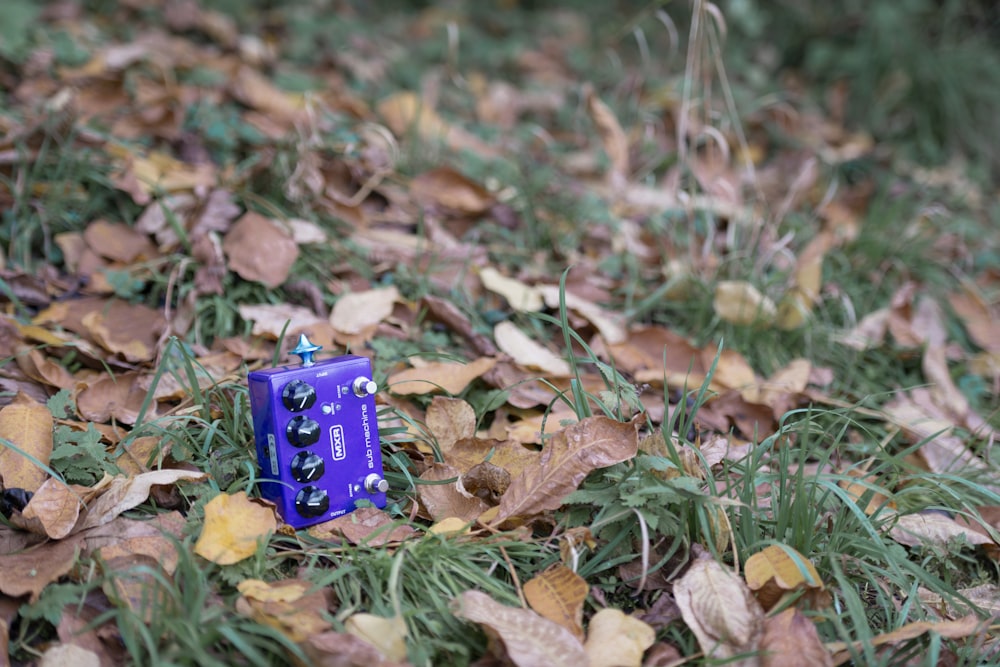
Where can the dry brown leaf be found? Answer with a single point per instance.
(272, 319)
(617, 640)
(961, 628)
(932, 528)
(118, 398)
(791, 640)
(30, 571)
(388, 635)
(340, 649)
(124, 493)
(467, 453)
(721, 611)
(451, 377)
(405, 112)
(610, 325)
(57, 505)
(652, 353)
(442, 501)
(258, 249)
(250, 87)
(868, 333)
(739, 302)
(528, 353)
(38, 367)
(291, 606)
(129, 329)
(452, 191)
(365, 525)
(558, 594)
(777, 570)
(26, 426)
(118, 242)
(979, 321)
(450, 420)
(521, 297)
(595, 442)
(234, 527)
(529, 639)
(780, 391)
(613, 137)
(357, 312)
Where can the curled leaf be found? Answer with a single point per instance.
(528, 638)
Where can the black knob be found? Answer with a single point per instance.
(302, 431)
(312, 501)
(307, 467)
(298, 396)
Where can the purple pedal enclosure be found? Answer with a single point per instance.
(317, 436)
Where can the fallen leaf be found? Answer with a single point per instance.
(356, 312)
(450, 499)
(521, 297)
(388, 635)
(777, 570)
(57, 505)
(451, 377)
(613, 137)
(69, 654)
(30, 571)
(527, 352)
(272, 320)
(234, 528)
(739, 302)
(124, 493)
(451, 190)
(450, 420)
(119, 398)
(721, 611)
(932, 528)
(529, 639)
(118, 242)
(259, 250)
(791, 640)
(38, 367)
(26, 429)
(961, 628)
(558, 593)
(617, 640)
(340, 649)
(294, 607)
(365, 525)
(131, 330)
(405, 112)
(595, 442)
(610, 325)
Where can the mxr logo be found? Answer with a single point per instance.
(337, 444)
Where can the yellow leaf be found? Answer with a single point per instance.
(234, 527)
(26, 425)
(778, 569)
(558, 594)
(617, 640)
(739, 302)
(388, 635)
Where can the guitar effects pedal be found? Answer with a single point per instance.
(317, 436)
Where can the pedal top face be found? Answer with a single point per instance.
(317, 438)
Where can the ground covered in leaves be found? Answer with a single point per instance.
(675, 366)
